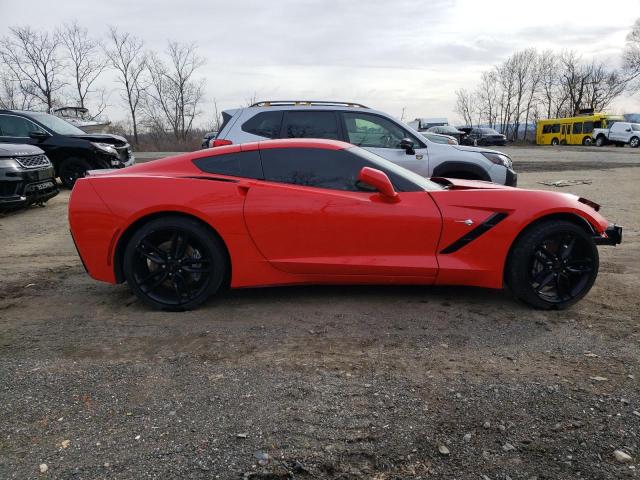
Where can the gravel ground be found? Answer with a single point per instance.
(322, 382)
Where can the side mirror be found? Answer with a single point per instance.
(628, 130)
(380, 182)
(38, 135)
(407, 145)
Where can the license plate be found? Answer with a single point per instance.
(43, 186)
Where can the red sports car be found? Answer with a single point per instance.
(304, 211)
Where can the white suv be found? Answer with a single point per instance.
(370, 129)
(620, 133)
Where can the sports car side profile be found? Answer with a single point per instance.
(283, 212)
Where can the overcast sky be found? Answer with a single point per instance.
(382, 53)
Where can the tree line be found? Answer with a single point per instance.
(41, 70)
(533, 84)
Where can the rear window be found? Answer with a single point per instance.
(311, 124)
(264, 124)
(239, 164)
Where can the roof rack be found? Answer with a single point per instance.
(278, 103)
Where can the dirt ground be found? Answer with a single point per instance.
(323, 382)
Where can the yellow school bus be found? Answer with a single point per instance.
(571, 130)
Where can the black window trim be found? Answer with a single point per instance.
(343, 125)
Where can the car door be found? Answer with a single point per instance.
(382, 136)
(309, 217)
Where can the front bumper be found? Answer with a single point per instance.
(511, 179)
(611, 236)
(23, 187)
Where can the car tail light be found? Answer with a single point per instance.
(220, 143)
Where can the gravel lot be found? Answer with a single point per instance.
(322, 382)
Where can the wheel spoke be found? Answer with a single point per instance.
(544, 255)
(150, 251)
(543, 282)
(181, 248)
(158, 282)
(150, 277)
(579, 267)
(558, 287)
(180, 287)
(567, 248)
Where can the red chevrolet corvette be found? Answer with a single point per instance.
(285, 212)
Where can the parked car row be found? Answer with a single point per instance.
(37, 148)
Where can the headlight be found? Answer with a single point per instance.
(498, 159)
(105, 147)
(8, 162)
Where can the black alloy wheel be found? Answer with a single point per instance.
(71, 170)
(561, 268)
(553, 265)
(174, 263)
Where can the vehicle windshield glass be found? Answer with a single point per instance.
(490, 131)
(635, 127)
(56, 124)
(384, 164)
(449, 130)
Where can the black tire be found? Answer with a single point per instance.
(174, 263)
(634, 142)
(587, 141)
(71, 169)
(599, 141)
(554, 142)
(552, 265)
(563, 142)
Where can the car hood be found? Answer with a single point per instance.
(18, 150)
(465, 148)
(103, 138)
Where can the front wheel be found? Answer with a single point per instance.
(634, 142)
(552, 265)
(554, 142)
(174, 263)
(71, 170)
(600, 141)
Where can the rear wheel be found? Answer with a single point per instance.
(554, 142)
(174, 263)
(586, 141)
(72, 169)
(553, 265)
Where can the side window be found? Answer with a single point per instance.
(238, 164)
(312, 167)
(588, 127)
(597, 124)
(311, 124)
(555, 128)
(264, 124)
(577, 127)
(365, 130)
(13, 126)
(546, 128)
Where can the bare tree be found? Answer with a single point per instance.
(35, 63)
(487, 95)
(631, 56)
(12, 97)
(86, 61)
(465, 106)
(174, 94)
(126, 55)
(549, 81)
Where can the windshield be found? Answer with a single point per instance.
(56, 124)
(449, 130)
(386, 165)
(490, 131)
